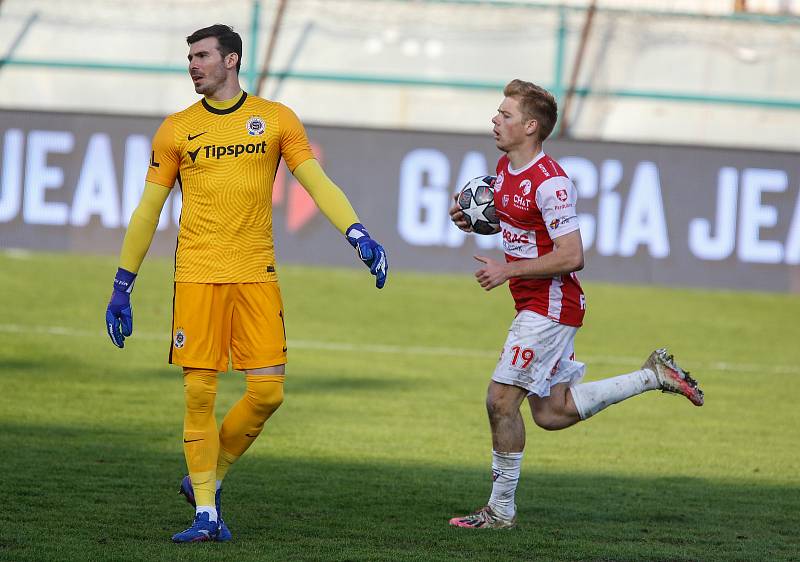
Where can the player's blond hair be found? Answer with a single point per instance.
(536, 103)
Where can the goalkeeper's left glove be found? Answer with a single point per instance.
(371, 253)
(119, 316)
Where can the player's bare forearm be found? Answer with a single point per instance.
(550, 265)
(566, 257)
(494, 273)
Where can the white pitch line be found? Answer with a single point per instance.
(409, 350)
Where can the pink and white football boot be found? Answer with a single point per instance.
(672, 378)
(484, 518)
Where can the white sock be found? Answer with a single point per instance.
(210, 509)
(505, 475)
(591, 397)
(219, 484)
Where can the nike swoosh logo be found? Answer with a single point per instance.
(251, 436)
(284, 350)
(192, 137)
(191, 440)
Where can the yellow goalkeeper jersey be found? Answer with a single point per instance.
(225, 162)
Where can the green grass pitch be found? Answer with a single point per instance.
(383, 434)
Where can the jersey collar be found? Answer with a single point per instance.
(225, 107)
(527, 166)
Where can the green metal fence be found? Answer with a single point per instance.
(558, 83)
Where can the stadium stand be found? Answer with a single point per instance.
(432, 65)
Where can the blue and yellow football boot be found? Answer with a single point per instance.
(187, 490)
(202, 529)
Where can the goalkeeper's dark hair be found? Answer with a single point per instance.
(536, 103)
(229, 40)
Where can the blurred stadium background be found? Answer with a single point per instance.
(662, 103)
(690, 72)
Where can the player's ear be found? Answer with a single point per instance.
(532, 126)
(231, 59)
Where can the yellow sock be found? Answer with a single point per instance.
(200, 437)
(246, 419)
(224, 462)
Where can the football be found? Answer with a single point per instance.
(476, 201)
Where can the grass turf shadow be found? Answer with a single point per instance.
(82, 495)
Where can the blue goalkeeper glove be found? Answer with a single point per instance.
(119, 316)
(371, 253)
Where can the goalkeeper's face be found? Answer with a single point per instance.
(207, 67)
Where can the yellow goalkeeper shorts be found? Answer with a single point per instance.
(214, 322)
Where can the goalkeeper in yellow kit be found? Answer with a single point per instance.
(224, 151)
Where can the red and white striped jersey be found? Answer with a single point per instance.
(536, 204)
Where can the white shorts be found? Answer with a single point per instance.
(538, 354)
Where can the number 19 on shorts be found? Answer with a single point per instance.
(521, 357)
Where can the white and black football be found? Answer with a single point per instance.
(476, 200)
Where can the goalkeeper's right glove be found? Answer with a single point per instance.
(119, 316)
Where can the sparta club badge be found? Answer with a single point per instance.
(180, 338)
(256, 126)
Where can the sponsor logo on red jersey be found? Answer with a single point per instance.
(555, 223)
(561, 194)
(514, 238)
(498, 183)
(521, 202)
(526, 187)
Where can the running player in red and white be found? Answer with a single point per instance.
(536, 202)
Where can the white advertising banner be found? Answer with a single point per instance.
(670, 215)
